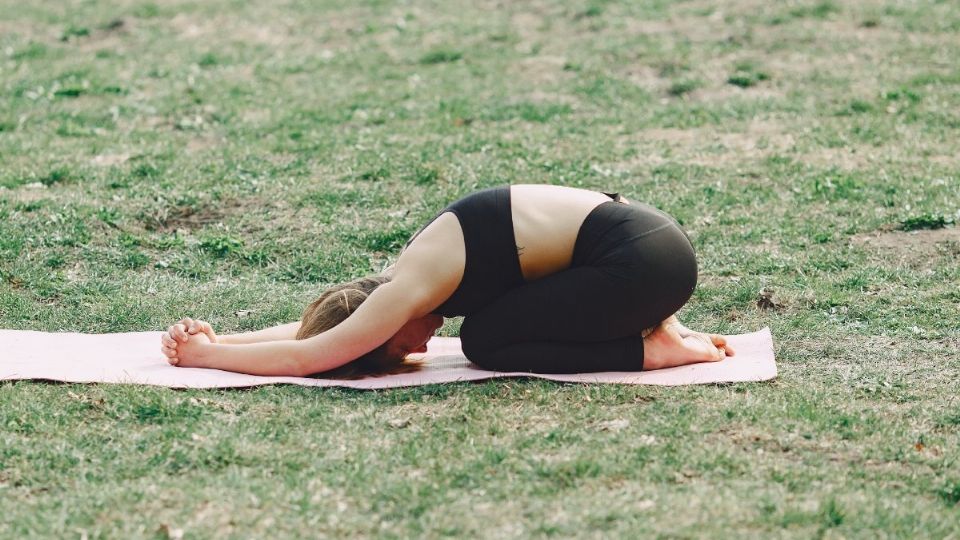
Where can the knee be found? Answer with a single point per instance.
(476, 345)
(674, 272)
(687, 271)
(470, 339)
(684, 276)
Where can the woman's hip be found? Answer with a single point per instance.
(639, 243)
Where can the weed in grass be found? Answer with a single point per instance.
(836, 185)
(208, 60)
(425, 175)
(221, 246)
(161, 242)
(441, 56)
(58, 175)
(593, 10)
(55, 261)
(685, 86)
(925, 221)
(73, 91)
(146, 170)
(820, 10)
(30, 206)
(258, 257)
(72, 31)
(134, 260)
(822, 237)
(110, 216)
(857, 106)
(374, 175)
(832, 514)
(950, 492)
(949, 420)
(32, 51)
(745, 77)
(386, 242)
(908, 94)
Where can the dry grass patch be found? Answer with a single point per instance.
(917, 248)
(541, 70)
(707, 146)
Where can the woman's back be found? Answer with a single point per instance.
(546, 220)
(545, 223)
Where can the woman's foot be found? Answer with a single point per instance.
(671, 344)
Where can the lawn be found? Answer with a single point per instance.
(229, 159)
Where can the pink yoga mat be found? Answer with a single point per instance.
(135, 358)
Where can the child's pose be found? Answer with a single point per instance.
(549, 279)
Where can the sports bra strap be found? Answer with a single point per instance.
(614, 196)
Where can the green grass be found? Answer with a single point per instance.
(208, 159)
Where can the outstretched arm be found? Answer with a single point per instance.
(180, 333)
(274, 333)
(380, 316)
(272, 358)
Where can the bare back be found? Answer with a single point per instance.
(546, 220)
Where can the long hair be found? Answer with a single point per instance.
(333, 307)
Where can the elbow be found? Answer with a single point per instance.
(307, 357)
(303, 362)
(298, 371)
(304, 369)
(299, 366)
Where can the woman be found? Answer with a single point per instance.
(550, 279)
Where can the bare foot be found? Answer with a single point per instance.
(718, 341)
(666, 346)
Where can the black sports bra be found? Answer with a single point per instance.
(492, 264)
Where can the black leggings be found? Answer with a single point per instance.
(633, 266)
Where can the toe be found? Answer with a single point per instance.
(720, 342)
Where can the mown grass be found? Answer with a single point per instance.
(228, 160)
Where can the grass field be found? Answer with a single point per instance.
(228, 159)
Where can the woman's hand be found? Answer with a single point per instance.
(180, 333)
(189, 354)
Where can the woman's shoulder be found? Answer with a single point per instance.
(436, 259)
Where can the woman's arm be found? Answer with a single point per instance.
(272, 358)
(275, 333)
(417, 287)
(380, 316)
(180, 333)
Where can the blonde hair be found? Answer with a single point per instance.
(333, 307)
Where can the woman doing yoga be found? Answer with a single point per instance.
(550, 279)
